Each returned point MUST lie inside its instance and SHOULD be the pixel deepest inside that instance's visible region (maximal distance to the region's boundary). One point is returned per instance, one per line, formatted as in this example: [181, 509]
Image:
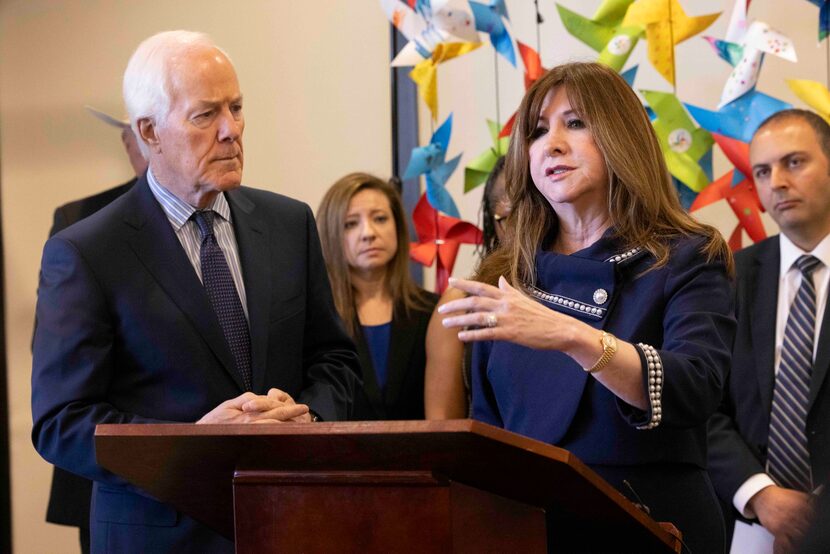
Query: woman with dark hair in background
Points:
[447, 390]
[366, 247]
[603, 323]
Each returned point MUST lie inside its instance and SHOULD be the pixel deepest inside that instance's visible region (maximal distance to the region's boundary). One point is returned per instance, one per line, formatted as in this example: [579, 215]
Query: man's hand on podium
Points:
[275, 407]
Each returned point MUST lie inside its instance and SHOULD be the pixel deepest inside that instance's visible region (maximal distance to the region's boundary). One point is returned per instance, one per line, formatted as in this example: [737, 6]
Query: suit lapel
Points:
[762, 295]
[822, 363]
[156, 245]
[253, 256]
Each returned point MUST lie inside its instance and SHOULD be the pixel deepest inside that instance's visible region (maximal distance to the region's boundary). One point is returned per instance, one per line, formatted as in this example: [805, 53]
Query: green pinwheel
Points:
[477, 171]
[683, 144]
[605, 32]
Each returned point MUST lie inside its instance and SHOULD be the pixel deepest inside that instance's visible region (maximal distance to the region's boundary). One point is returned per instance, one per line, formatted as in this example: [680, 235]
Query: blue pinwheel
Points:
[823, 18]
[740, 118]
[488, 20]
[429, 161]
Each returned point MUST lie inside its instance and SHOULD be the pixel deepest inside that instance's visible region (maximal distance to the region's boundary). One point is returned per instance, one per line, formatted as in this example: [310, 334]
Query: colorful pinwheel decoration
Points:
[437, 32]
[425, 24]
[738, 188]
[477, 171]
[488, 19]
[683, 144]
[729, 48]
[760, 39]
[605, 31]
[739, 118]
[533, 71]
[430, 161]
[439, 237]
[813, 94]
[425, 74]
[744, 49]
[823, 18]
[665, 25]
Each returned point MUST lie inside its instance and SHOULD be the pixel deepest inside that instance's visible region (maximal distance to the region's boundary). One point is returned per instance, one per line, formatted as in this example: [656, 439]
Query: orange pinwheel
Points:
[742, 197]
[533, 70]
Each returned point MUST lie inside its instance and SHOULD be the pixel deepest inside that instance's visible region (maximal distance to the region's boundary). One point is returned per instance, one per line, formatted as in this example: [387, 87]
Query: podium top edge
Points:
[321, 428]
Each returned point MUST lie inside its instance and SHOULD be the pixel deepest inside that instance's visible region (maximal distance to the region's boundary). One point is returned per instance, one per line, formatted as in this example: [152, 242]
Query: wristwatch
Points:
[609, 348]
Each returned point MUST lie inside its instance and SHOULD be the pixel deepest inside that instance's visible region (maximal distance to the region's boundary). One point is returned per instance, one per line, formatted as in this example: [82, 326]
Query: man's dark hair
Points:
[819, 125]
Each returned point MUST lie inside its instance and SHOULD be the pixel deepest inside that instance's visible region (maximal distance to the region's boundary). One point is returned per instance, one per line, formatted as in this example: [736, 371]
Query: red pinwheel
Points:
[742, 197]
[533, 70]
[439, 237]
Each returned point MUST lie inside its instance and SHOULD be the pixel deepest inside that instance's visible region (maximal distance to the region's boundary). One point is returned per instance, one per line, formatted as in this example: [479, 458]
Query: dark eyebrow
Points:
[564, 114]
[785, 158]
[789, 155]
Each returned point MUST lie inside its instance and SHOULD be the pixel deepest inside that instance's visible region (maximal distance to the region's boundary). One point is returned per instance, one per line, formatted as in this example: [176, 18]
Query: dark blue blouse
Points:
[377, 339]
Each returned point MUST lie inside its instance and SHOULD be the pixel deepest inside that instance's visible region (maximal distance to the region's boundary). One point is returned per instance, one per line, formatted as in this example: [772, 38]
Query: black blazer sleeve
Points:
[332, 370]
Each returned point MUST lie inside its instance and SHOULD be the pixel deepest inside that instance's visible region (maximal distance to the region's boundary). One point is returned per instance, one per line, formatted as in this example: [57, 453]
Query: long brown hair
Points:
[643, 204]
[331, 218]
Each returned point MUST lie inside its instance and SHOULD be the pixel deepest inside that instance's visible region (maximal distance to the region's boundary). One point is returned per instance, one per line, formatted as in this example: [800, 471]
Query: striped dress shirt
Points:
[178, 213]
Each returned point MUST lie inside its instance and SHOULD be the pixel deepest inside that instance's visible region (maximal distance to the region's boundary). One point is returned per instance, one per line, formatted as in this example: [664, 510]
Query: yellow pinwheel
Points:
[813, 94]
[425, 73]
[665, 24]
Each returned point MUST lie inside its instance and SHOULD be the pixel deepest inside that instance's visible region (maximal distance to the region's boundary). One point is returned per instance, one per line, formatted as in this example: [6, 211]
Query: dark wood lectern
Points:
[410, 486]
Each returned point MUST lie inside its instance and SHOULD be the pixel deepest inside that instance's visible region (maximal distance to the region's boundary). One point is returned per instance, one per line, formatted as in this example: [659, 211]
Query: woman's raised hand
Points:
[505, 313]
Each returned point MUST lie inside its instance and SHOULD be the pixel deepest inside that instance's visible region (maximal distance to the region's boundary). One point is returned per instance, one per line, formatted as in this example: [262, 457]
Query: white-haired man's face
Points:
[196, 152]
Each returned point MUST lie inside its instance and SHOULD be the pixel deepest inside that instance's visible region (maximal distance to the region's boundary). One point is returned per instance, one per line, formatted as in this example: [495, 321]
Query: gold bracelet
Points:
[609, 348]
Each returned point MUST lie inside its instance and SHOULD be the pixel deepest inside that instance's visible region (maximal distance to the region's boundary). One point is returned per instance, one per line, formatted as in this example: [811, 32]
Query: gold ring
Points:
[492, 320]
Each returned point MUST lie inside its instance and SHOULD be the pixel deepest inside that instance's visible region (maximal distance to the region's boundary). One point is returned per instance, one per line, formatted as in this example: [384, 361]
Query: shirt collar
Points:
[178, 211]
[790, 253]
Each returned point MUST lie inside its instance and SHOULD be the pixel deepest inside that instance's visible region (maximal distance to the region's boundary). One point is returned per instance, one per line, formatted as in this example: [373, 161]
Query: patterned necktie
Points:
[216, 277]
[788, 456]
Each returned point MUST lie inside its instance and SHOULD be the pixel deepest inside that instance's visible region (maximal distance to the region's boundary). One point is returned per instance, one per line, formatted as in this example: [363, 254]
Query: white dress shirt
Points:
[789, 280]
[179, 214]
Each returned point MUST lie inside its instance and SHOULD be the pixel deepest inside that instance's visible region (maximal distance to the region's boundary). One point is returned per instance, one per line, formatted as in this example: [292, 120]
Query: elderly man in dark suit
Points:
[69, 496]
[188, 299]
[769, 445]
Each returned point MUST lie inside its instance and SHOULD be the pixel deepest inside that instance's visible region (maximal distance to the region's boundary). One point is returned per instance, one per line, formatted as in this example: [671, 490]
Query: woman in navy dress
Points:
[603, 324]
[366, 247]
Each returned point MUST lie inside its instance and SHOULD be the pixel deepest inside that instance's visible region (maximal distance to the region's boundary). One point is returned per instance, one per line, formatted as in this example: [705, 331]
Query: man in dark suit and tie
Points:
[769, 445]
[187, 299]
[69, 496]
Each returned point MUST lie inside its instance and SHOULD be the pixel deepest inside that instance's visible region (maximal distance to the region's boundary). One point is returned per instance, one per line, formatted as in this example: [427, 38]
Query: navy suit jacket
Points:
[69, 497]
[738, 430]
[126, 334]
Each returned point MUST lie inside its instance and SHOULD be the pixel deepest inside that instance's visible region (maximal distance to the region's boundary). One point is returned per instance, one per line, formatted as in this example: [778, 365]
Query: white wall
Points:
[316, 87]
[316, 84]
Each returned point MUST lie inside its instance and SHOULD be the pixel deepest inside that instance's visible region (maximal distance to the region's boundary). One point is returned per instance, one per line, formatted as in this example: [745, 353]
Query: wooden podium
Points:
[409, 486]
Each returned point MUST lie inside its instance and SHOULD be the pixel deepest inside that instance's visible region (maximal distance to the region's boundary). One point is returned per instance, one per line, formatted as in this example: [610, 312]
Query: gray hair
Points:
[146, 85]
